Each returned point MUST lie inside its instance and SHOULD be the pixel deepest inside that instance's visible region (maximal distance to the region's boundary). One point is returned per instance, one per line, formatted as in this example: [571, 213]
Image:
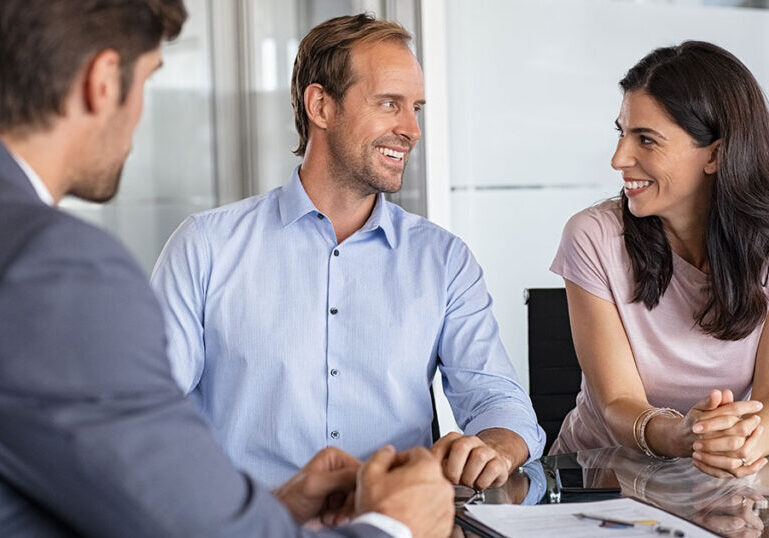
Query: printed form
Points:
[559, 521]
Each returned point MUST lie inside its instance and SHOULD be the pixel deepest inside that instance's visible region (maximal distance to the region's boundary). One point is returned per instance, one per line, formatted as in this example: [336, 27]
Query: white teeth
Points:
[630, 185]
[390, 152]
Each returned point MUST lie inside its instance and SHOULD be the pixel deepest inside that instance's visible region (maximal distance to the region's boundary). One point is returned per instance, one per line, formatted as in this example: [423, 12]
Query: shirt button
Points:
[334, 372]
[333, 311]
[335, 434]
[336, 252]
[320, 216]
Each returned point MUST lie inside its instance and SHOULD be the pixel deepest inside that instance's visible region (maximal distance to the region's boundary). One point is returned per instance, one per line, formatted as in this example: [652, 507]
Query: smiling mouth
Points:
[636, 185]
[391, 153]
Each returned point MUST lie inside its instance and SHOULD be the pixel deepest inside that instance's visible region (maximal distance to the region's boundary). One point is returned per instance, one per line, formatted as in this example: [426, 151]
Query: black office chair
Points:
[554, 372]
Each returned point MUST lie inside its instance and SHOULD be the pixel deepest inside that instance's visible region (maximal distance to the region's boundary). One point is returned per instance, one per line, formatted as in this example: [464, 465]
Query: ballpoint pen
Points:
[654, 526]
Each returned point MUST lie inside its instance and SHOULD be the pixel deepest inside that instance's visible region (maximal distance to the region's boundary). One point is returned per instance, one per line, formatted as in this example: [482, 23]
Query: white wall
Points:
[529, 89]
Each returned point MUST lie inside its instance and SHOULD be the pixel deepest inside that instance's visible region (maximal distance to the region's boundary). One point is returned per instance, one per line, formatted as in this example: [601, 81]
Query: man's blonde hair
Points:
[324, 58]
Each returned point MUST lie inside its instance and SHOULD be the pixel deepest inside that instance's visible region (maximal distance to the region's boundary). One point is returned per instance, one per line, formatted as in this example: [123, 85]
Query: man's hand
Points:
[482, 461]
[408, 487]
[320, 487]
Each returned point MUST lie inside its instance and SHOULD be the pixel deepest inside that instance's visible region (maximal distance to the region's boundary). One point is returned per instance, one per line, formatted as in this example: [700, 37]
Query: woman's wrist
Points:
[668, 435]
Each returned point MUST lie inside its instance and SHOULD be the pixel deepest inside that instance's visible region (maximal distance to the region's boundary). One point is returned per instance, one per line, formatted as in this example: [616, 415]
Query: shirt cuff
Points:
[384, 523]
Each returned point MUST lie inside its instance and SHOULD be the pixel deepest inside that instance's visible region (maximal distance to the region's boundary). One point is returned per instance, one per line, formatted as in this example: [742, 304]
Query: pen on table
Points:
[618, 523]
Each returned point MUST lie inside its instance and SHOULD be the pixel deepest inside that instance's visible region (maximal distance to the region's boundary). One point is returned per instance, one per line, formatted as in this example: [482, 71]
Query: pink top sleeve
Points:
[582, 253]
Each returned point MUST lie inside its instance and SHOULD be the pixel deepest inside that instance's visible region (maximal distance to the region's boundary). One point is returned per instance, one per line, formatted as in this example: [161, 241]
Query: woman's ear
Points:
[711, 167]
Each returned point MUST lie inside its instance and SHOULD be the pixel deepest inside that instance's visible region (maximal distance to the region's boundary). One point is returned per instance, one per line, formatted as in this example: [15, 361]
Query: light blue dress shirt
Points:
[291, 342]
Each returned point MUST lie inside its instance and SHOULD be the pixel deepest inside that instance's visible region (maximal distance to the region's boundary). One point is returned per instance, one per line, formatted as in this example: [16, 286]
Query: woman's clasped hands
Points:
[726, 435]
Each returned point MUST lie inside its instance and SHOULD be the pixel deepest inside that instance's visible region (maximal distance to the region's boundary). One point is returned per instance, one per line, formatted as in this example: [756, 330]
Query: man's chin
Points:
[100, 190]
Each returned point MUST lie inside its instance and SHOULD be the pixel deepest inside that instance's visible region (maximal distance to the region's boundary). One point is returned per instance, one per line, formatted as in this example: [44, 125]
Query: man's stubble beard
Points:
[99, 184]
[356, 170]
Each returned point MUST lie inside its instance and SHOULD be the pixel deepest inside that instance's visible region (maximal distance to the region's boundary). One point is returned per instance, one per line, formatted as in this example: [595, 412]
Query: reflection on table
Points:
[736, 508]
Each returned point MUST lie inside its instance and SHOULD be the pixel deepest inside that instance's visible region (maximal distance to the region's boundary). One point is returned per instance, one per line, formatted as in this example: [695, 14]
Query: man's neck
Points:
[41, 152]
[347, 208]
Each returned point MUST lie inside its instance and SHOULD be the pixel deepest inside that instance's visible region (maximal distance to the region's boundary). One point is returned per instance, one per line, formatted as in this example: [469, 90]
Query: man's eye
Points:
[388, 104]
[645, 140]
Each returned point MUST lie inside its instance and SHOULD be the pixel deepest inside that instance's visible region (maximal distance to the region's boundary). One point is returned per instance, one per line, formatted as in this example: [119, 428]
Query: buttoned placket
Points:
[334, 320]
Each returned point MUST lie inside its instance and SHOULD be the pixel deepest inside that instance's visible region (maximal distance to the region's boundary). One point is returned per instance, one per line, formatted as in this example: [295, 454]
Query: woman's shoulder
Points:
[599, 222]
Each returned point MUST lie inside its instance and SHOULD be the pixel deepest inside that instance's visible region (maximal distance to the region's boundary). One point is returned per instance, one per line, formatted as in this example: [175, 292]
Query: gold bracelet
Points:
[642, 442]
[635, 426]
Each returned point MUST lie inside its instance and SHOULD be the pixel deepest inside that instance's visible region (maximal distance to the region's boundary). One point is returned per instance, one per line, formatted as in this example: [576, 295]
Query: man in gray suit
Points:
[95, 437]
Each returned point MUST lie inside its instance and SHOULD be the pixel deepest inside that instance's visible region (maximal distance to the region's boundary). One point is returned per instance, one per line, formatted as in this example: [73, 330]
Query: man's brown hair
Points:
[44, 43]
[324, 58]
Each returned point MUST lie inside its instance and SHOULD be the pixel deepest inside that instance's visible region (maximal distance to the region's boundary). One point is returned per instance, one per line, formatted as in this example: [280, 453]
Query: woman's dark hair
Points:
[711, 95]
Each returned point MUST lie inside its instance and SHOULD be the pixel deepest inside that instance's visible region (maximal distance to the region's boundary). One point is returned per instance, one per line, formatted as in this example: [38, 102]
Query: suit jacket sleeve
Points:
[93, 427]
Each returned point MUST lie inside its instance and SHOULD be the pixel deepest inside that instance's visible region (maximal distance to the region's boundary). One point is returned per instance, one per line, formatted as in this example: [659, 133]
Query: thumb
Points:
[378, 464]
[338, 480]
[710, 402]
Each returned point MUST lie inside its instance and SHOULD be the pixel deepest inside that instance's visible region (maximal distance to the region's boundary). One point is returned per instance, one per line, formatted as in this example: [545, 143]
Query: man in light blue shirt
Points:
[317, 314]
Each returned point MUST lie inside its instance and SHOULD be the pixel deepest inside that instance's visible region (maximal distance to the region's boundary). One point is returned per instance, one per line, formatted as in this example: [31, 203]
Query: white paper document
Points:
[558, 520]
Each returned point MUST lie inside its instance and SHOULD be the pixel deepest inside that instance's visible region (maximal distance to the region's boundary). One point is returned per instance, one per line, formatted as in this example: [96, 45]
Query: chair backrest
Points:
[554, 372]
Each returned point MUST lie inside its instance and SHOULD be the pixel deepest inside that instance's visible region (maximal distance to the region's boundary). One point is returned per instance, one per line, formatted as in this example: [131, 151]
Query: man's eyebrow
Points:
[641, 130]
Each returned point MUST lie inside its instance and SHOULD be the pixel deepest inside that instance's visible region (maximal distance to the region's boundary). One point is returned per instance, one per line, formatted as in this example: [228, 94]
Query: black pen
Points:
[620, 524]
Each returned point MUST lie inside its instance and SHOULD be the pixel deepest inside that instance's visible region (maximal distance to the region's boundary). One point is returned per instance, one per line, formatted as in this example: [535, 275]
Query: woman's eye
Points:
[645, 140]
[619, 132]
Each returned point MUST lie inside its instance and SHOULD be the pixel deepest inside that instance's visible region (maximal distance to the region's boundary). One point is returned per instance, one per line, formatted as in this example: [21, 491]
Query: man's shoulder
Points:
[417, 227]
[234, 213]
[38, 234]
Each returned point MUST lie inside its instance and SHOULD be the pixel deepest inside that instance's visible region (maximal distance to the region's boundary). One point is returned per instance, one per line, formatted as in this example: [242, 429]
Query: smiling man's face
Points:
[375, 126]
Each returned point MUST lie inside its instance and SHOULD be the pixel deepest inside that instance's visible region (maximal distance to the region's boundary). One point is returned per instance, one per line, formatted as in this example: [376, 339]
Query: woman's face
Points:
[664, 172]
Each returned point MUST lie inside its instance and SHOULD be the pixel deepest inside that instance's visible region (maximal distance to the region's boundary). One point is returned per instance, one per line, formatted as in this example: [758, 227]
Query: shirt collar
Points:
[293, 200]
[294, 204]
[42, 191]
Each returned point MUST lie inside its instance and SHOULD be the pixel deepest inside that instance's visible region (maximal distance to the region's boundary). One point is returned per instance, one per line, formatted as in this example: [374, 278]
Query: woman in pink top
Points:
[667, 285]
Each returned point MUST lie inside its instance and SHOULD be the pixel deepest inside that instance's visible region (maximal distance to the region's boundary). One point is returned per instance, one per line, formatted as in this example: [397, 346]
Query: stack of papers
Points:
[558, 520]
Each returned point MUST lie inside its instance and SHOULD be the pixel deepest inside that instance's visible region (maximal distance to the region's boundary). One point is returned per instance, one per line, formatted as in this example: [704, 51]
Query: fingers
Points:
[712, 471]
[747, 407]
[744, 449]
[473, 463]
[750, 451]
[442, 446]
[725, 466]
[417, 462]
[743, 428]
[457, 458]
[331, 458]
[494, 475]
[710, 402]
[378, 464]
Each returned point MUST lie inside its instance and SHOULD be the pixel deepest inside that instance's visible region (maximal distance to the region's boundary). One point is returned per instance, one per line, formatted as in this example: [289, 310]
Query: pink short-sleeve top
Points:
[678, 363]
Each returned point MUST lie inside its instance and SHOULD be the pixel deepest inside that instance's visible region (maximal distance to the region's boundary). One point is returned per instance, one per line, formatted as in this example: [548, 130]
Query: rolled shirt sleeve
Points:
[479, 379]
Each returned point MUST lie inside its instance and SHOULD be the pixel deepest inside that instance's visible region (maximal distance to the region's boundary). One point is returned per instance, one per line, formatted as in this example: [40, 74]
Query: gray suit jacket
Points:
[96, 439]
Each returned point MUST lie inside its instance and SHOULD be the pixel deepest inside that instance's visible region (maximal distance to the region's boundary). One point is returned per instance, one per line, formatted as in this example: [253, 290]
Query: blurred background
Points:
[518, 129]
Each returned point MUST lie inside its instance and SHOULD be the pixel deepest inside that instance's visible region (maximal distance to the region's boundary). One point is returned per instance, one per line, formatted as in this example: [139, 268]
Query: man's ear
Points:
[319, 105]
[711, 167]
[102, 82]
